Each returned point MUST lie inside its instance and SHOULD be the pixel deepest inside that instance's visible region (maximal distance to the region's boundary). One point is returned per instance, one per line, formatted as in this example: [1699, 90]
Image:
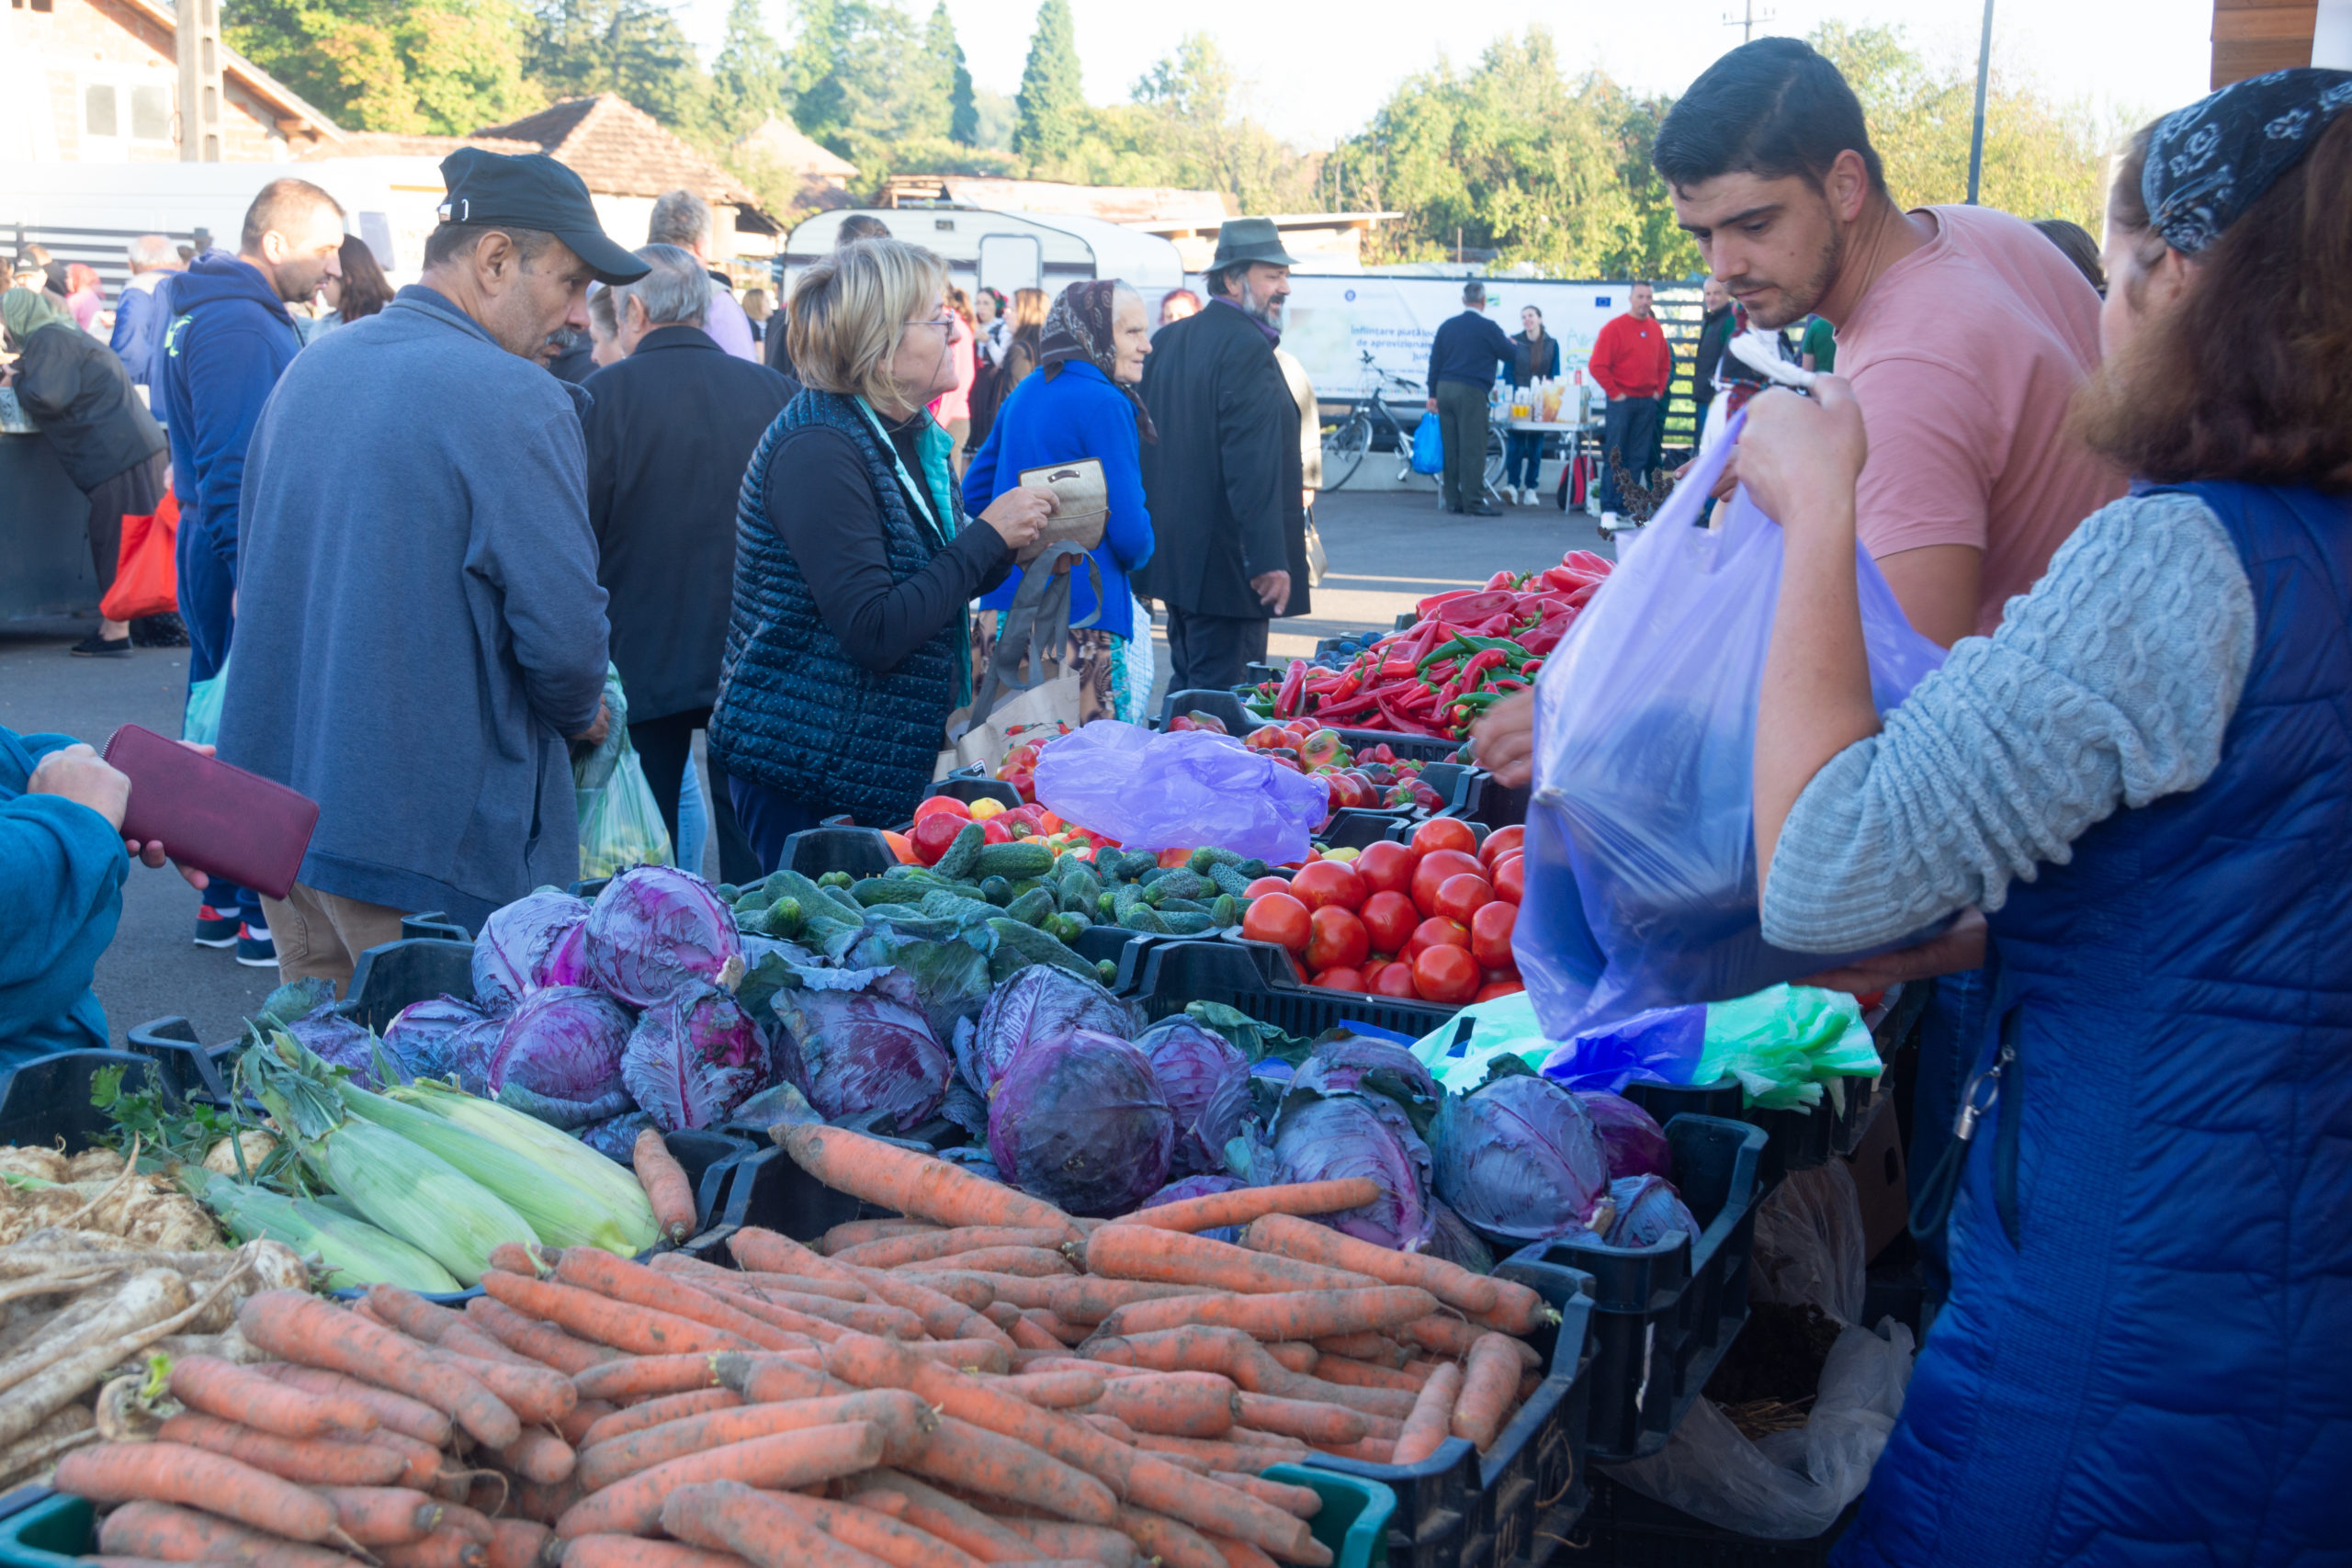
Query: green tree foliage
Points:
[748, 81]
[1183, 127]
[409, 67]
[963, 113]
[634, 48]
[1051, 95]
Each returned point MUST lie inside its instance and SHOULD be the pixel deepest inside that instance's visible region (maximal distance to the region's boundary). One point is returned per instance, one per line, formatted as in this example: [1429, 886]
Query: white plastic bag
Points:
[1810, 1247]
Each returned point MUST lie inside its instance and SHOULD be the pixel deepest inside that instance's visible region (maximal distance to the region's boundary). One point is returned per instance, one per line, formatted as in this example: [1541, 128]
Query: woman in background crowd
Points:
[953, 408]
[1177, 304]
[84, 295]
[359, 293]
[1028, 322]
[755, 310]
[1538, 360]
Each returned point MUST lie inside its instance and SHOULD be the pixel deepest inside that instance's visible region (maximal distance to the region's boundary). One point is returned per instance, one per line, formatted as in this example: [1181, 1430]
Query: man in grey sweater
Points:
[421, 628]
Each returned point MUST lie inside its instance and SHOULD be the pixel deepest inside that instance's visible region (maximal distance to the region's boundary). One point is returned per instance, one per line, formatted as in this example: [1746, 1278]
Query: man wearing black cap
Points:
[1224, 482]
[421, 626]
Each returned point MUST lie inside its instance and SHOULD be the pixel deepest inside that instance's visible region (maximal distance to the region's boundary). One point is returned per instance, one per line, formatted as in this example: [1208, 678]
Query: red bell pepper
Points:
[1294, 684]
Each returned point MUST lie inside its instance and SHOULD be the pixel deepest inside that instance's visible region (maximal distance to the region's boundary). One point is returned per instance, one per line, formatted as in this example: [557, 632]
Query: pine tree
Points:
[963, 114]
[748, 77]
[1050, 92]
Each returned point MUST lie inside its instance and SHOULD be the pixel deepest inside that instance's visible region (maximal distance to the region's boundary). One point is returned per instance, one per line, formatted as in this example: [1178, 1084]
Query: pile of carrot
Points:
[984, 1381]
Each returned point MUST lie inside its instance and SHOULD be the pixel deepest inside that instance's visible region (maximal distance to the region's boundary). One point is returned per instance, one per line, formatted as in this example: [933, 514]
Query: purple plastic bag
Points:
[1662, 1046]
[1641, 862]
[1186, 790]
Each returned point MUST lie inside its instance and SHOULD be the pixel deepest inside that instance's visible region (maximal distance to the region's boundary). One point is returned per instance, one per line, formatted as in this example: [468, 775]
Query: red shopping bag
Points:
[146, 582]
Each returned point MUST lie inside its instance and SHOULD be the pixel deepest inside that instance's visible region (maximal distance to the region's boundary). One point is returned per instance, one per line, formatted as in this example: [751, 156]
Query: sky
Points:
[1313, 81]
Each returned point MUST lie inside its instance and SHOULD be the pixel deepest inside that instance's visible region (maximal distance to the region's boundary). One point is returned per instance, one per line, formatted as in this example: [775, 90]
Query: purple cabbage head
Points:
[530, 944]
[656, 928]
[562, 1042]
[1357, 1064]
[1206, 1081]
[424, 1032]
[865, 1057]
[616, 1136]
[693, 1058]
[1199, 1187]
[1648, 1211]
[1328, 1138]
[1079, 1122]
[1520, 1158]
[339, 1042]
[1452, 1241]
[1039, 1005]
[471, 1050]
[1634, 1140]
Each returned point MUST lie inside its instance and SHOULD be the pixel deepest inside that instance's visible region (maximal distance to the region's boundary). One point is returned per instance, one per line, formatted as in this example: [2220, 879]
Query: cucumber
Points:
[751, 903]
[1227, 880]
[1180, 883]
[781, 919]
[835, 879]
[1184, 924]
[1251, 870]
[1209, 856]
[941, 905]
[1032, 907]
[1015, 861]
[1075, 903]
[1107, 906]
[962, 854]
[815, 900]
[1106, 971]
[1063, 928]
[1034, 946]
[996, 890]
[883, 890]
[1181, 907]
[727, 891]
[1143, 918]
[1156, 874]
[1126, 900]
[1227, 911]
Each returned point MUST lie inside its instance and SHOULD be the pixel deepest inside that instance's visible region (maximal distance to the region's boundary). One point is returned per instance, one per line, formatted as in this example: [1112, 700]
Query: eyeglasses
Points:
[945, 324]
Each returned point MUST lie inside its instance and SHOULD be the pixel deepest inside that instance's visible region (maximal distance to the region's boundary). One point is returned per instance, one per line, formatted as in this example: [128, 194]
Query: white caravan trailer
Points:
[1006, 251]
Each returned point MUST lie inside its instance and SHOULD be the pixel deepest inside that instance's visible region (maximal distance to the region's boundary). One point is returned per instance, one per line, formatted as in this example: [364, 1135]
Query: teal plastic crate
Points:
[52, 1531]
[1354, 1520]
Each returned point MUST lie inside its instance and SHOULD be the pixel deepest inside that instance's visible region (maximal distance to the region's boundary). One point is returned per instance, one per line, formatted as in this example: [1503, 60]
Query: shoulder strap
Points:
[1036, 628]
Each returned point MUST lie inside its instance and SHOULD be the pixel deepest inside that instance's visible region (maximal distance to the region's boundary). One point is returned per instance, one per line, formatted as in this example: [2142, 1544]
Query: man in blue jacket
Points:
[143, 306]
[229, 340]
[1466, 354]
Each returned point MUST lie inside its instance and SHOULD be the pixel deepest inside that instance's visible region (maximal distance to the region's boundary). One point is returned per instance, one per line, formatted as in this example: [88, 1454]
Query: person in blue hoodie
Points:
[1083, 404]
[230, 338]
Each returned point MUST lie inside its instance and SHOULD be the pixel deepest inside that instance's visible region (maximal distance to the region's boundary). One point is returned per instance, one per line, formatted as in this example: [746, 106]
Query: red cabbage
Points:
[655, 929]
[340, 1042]
[865, 1057]
[1520, 1158]
[1327, 1138]
[1038, 1005]
[1452, 1241]
[471, 1050]
[422, 1034]
[1357, 1064]
[1650, 1210]
[693, 1058]
[615, 1138]
[1206, 1082]
[524, 947]
[1079, 1122]
[1631, 1138]
[564, 1041]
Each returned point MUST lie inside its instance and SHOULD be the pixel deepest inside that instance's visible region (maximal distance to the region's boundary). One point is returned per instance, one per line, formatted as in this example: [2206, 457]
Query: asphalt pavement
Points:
[1388, 548]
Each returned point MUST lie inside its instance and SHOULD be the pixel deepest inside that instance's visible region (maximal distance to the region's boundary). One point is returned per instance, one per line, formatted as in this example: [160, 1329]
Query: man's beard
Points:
[1803, 301]
[1267, 310]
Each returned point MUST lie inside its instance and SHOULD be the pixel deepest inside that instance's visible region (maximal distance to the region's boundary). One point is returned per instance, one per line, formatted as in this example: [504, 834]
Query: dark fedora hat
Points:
[1242, 240]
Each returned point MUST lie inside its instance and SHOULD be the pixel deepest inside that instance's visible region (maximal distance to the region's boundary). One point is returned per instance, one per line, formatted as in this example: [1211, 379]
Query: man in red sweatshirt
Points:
[1632, 362]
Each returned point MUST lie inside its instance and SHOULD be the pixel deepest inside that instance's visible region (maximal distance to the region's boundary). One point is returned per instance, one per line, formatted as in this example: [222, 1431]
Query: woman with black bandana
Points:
[1083, 404]
[2140, 778]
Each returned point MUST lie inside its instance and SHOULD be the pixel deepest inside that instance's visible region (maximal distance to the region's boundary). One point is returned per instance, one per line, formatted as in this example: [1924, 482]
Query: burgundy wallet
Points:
[211, 817]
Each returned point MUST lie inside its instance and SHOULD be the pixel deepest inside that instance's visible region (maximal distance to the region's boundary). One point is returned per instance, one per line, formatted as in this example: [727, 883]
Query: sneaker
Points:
[215, 928]
[96, 646]
[254, 948]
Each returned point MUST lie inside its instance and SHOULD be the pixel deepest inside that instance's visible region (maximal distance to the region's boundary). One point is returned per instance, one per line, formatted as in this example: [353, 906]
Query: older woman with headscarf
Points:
[1083, 404]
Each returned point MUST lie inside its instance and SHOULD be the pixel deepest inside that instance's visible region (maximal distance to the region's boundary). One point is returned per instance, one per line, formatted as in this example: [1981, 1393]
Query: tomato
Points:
[1339, 980]
[1266, 736]
[1500, 842]
[1494, 988]
[1390, 920]
[1434, 933]
[933, 833]
[933, 805]
[1396, 980]
[1445, 833]
[1174, 857]
[1510, 877]
[1280, 918]
[1491, 930]
[1336, 939]
[1370, 971]
[1461, 896]
[1386, 867]
[1266, 885]
[1430, 874]
[1328, 882]
[1445, 975]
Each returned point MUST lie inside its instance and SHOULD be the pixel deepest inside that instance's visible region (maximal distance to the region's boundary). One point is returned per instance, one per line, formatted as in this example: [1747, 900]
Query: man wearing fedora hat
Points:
[421, 629]
[1224, 481]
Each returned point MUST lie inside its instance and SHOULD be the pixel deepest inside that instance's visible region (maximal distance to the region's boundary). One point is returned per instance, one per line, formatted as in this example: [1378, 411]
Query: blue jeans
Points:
[1951, 1038]
[694, 822]
[1522, 459]
[766, 817]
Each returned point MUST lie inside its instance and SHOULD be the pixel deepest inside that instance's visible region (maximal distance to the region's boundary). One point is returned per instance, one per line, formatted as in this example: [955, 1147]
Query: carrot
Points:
[617, 1280]
[1242, 1359]
[624, 1325]
[1248, 1203]
[1302, 1501]
[922, 1246]
[866, 1317]
[1004, 1315]
[466, 1521]
[574, 1429]
[1172, 1258]
[1490, 1379]
[857, 1232]
[654, 1411]
[944, 1317]
[174, 1473]
[514, 1257]
[922, 1186]
[1088, 1543]
[646, 1376]
[421, 1461]
[382, 1516]
[1432, 1421]
[977, 1460]
[302, 1328]
[904, 1421]
[1174, 1544]
[312, 1461]
[1316, 1424]
[633, 1506]
[1241, 1450]
[685, 1264]
[1442, 1334]
[936, 1513]
[1058, 1390]
[405, 1312]
[214, 1387]
[635, 1551]
[1091, 1299]
[1179, 1405]
[877, 1534]
[1279, 1315]
[772, 1327]
[1455, 1286]
[537, 1455]
[1111, 1426]
[542, 1342]
[1031, 1335]
[766, 1379]
[1032, 1262]
[981, 1355]
[1518, 1310]
[545, 1505]
[394, 1412]
[518, 1543]
[1240, 1553]
[536, 1393]
[666, 1184]
[974, 1291]
[444, 1548]
[158, 1532]
[1363, 1374]
[1363, 1346]
[729, 1516]
[767, 1252]
[1293, 1354]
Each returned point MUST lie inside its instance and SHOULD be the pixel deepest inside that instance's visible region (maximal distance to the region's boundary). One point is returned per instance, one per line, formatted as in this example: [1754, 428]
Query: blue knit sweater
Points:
[62, 870]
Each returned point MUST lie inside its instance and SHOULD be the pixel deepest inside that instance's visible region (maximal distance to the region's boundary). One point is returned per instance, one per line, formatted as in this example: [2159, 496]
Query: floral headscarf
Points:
[2209, 163]
[1080, 326]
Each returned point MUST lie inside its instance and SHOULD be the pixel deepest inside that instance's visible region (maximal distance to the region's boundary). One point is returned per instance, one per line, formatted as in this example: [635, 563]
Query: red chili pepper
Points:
[1294, 684]
[1399, 668]
[1527, 670]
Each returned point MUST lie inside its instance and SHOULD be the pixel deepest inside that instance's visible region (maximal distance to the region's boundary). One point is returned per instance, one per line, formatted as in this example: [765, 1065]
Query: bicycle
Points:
[1346, 441]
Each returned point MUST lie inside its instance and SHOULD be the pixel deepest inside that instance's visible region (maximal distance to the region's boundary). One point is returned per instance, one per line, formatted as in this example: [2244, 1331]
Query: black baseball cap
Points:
[533, 191]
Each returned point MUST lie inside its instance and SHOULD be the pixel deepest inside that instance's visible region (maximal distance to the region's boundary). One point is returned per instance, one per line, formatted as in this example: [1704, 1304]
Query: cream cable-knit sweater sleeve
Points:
[2110, 684]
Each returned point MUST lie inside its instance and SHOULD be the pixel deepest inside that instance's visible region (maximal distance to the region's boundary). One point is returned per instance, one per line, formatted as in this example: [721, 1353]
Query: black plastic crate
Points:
[47, 1100]
[1515, 1504]
[772, 1193]
[1259, 978]
[1664, 1315]
[1624, 1530]
[860, 851]
[1224, 703]
[1407, 748]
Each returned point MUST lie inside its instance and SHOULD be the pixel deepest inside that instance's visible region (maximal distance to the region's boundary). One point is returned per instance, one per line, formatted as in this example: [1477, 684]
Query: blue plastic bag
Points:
[1641, 862]
[200, 725]
[1184, 790]
[1429, 446]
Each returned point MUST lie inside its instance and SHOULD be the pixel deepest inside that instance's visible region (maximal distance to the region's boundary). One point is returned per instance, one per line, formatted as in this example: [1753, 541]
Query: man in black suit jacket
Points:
[672, 428]
[1224, 481]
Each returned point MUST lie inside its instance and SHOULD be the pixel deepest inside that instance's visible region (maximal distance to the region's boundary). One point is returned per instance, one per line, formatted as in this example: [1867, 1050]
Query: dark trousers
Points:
[1632, 427]
[206, 591]
[134, 492]
[1462, 426]
[1522, 458]
[665, 747]
[768, 817]
[1208, 651]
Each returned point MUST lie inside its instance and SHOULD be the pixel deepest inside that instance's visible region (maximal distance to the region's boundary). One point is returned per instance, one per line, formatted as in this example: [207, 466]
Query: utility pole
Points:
[195, 29]
[1746, 22]
[1977, 136]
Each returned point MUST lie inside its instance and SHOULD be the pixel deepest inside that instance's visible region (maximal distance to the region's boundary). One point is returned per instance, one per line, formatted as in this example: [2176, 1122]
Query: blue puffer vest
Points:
[795, 711]
[2144, 1359]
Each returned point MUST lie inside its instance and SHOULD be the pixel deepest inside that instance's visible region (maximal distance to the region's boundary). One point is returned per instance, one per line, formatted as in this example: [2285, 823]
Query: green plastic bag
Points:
[1785, 1043]
[620, 823]
[201, 724]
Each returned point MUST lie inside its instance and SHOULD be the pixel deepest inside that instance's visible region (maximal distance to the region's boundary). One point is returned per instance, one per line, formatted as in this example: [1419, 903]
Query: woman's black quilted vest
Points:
[795, 711]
